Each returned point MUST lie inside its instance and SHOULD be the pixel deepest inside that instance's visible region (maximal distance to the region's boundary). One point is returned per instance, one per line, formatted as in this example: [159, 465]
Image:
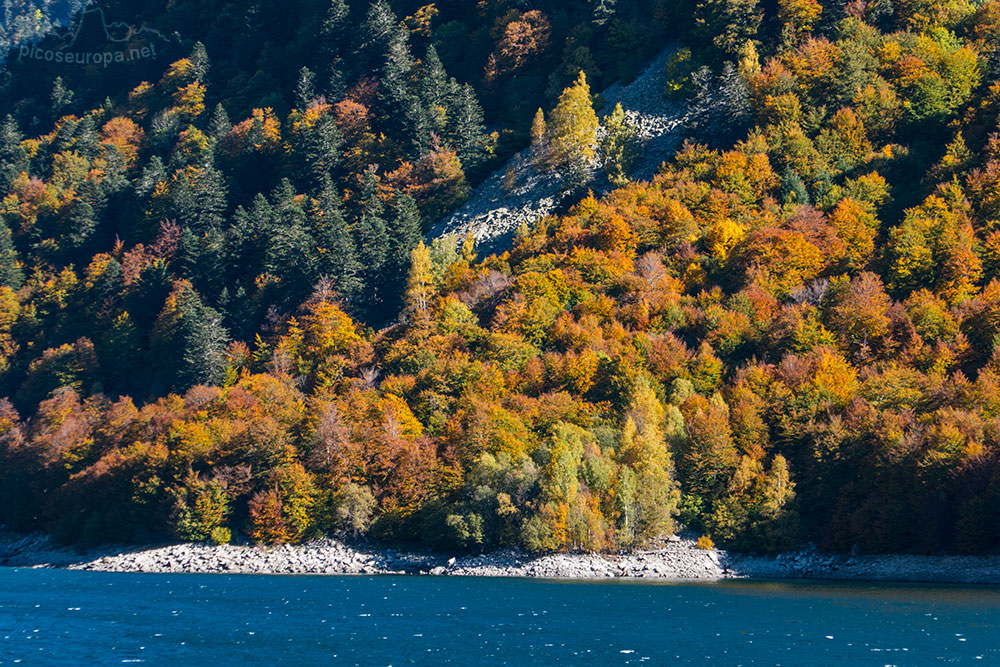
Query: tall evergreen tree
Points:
[305, 88]
[385, 50]
[81, 225]
[61, 98]
[198, 198]
[465, 125]
[200, 63]
[188, 341]
[336, 255]
[11, 274]
[372, 240]
[433, 89]
[333, 32]
[85, 138]
[12, 156]
[249, 236]
[320, 152]
[404, 234]
[290, 251]
[219, 125]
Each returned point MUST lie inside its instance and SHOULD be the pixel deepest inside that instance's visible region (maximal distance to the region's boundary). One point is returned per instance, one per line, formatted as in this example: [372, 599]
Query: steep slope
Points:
[519, 193]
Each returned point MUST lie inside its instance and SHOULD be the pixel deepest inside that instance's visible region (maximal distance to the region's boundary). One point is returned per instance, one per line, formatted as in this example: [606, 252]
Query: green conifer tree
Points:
[11, 273]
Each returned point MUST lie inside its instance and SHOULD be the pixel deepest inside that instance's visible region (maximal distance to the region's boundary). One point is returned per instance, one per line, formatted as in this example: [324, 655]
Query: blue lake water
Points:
[54, 617]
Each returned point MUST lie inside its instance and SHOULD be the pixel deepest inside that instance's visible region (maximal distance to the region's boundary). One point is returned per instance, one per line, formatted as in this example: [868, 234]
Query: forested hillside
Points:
[218, 318]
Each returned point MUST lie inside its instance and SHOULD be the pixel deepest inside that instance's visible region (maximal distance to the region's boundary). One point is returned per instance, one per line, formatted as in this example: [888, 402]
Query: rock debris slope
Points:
[494, 212]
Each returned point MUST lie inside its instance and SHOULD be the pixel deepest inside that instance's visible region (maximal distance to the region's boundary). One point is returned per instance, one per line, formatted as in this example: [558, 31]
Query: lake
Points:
[51, 617]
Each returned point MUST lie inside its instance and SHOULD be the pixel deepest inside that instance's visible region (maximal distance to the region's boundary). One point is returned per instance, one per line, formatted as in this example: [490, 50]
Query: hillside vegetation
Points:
[213, 328]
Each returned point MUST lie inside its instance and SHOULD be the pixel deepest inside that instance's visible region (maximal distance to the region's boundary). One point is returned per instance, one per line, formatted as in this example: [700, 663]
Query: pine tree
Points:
[200, 63]
[573, 130]
[12, 156]
[11, 274]
[465, 125]
[372, 239]
[250, 233]
[336, 255]
[188, 341]
[333, 32]
[404, 234]
[434, 90]
[85, 138]
[305, 88]
[61, 98]
[220, 125]
[290, 251]
[320, 152]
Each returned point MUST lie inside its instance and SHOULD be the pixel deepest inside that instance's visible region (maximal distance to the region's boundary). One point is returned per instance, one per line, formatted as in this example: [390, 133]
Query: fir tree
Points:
[333, 32]
[465, 126]
[336, 255]
[336, 84]
[434, 88]
[305, 88]
[320, 152]
[85, 138]
[385, 50]
[372, 239]
[12, 155]
[11, 274]
[81, 224]
[250, 234]
[188, 341]
[200, 63]
[153, 174]
[603, 10]
[404, 233]
[793, 189]
[290, 254]
[61, 98]
[198, 198]
[220, 125]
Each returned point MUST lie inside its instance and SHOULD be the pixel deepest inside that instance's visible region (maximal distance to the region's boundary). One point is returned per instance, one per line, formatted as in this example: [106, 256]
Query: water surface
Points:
[57, 617]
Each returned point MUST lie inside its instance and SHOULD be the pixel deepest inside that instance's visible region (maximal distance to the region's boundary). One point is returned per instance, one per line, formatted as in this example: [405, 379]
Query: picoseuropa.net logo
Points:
[115, 43]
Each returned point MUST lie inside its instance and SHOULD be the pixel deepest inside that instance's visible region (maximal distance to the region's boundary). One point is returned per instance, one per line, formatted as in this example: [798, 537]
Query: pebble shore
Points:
[676, 559]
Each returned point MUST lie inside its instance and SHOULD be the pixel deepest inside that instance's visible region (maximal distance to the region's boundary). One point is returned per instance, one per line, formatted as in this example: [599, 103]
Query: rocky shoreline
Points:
[676, 559]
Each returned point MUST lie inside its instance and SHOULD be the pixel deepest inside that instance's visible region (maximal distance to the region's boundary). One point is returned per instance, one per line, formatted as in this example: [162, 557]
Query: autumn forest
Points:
[222, 317]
